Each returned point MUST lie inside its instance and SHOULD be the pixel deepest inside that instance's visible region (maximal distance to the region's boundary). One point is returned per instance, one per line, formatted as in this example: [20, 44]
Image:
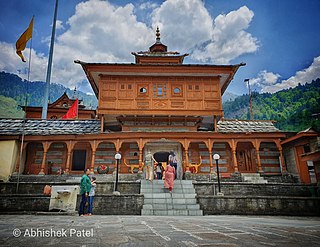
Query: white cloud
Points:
[59, 25]
[99, 31]
[10, 62]
[228, 38]
[264, 79]
[147, 5]
[183, 24]
[268, 82]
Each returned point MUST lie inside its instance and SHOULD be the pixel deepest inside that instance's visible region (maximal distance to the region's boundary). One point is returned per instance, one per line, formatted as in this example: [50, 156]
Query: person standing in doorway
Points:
[85, 187]
[159, 171]
[169, 177]
[148, 164]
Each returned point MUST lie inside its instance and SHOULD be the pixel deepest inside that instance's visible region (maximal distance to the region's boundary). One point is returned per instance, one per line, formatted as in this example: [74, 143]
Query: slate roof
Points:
[244, 126]
[77, 127]
[49, 127]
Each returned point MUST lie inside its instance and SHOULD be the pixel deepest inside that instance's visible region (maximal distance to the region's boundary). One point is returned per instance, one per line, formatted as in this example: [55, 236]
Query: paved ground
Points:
[48, 230]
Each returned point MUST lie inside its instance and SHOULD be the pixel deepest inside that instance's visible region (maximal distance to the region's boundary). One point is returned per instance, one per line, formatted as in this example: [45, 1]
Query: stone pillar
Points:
[46, 146]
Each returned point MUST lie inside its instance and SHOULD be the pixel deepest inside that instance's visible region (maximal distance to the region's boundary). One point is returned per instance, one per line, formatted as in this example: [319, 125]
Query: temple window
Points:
[122, 86]
[143, 90]
[64, 104]
[129, 87]
[177, 90]
[160, 90]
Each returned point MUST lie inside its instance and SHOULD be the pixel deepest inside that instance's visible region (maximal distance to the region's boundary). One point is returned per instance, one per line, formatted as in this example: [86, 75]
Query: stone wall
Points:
[263, 205]
[103, 204]
[117, 205]
[248, 189]
[14, 203]
[37, 187]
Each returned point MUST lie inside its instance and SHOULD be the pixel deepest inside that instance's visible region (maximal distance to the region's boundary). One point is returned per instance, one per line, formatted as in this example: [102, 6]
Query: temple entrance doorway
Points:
[246, 157]
[161, 150]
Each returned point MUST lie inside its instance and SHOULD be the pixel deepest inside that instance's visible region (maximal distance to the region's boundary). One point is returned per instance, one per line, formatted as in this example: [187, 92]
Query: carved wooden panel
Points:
[159, 95]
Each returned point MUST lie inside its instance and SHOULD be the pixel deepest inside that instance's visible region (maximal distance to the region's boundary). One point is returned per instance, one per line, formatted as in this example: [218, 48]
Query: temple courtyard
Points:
[104, 230]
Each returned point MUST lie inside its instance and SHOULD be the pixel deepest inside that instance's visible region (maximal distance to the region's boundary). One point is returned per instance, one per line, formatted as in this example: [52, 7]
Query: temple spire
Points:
[158, 36]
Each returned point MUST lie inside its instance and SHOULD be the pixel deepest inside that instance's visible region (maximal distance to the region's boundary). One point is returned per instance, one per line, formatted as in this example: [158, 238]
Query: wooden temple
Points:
[156, 104]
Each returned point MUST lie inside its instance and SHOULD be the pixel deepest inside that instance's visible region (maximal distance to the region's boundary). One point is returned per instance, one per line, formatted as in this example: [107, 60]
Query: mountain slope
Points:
[14, 87]
[294, 109]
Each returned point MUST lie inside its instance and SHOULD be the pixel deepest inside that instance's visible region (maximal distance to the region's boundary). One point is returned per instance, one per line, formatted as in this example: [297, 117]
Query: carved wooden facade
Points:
[158, 104]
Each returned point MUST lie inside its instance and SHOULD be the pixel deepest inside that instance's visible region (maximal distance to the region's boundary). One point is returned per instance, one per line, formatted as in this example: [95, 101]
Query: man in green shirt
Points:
[85, 187]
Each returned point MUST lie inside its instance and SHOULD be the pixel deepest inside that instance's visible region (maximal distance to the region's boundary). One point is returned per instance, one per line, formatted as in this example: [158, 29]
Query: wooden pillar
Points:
[209, 144]
[102, 123]
[186, 151]
[256, 145]
[282, 163]
[141, 145]
[94, 144]
[215, 123]
[46, 146]
[234, 155]
[70, 146]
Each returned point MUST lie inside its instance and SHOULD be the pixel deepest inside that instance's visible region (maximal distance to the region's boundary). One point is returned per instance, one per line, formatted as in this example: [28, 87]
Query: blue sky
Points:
[278, 40]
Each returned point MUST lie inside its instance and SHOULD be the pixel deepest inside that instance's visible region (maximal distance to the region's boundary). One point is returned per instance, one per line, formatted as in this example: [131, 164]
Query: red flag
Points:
[72, 112]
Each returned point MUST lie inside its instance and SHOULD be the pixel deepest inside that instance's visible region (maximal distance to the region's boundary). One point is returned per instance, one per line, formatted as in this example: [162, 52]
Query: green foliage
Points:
[294, 109]
[14, 87]
[9, 108]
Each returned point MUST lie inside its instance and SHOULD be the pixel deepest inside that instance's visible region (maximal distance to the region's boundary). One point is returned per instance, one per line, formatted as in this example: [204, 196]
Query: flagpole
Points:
[46, 92]
[25, 113]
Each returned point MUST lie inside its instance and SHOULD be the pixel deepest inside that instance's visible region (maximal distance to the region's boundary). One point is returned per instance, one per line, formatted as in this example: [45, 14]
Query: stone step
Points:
[165, 190]
[153, 201]
[169, 195]
[176, 182]
[250, 174]
[168, 206]
[173, 212]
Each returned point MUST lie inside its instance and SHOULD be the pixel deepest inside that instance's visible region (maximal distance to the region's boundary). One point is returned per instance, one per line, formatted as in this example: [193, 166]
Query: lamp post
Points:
[118, 158]
[216, 157]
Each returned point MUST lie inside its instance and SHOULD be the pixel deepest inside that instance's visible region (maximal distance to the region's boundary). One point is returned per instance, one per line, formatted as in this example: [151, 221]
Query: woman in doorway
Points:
[169, 177]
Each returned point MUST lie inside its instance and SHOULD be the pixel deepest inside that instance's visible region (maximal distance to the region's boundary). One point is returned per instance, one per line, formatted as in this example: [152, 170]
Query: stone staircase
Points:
[159, 201]
[254, 178]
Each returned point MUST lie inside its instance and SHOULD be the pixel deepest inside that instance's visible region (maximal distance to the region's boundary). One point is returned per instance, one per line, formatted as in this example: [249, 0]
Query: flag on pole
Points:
[72, 112]
[23, 40]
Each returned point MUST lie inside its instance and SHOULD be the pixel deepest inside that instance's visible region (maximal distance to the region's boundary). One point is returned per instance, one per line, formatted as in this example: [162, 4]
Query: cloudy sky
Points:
[278, 40]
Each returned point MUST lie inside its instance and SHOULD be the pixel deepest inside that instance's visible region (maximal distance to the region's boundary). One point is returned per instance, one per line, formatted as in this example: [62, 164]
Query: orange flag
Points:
[23, 40]
[72, 112]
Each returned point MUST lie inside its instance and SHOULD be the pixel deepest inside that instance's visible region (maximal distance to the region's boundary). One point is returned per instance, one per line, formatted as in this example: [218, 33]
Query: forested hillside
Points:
[14, 87]
[294, 109]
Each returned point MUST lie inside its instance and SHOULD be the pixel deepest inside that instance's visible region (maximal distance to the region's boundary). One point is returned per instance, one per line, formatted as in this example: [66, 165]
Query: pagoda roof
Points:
[40, 127]
[94, 70]
[246, 126]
